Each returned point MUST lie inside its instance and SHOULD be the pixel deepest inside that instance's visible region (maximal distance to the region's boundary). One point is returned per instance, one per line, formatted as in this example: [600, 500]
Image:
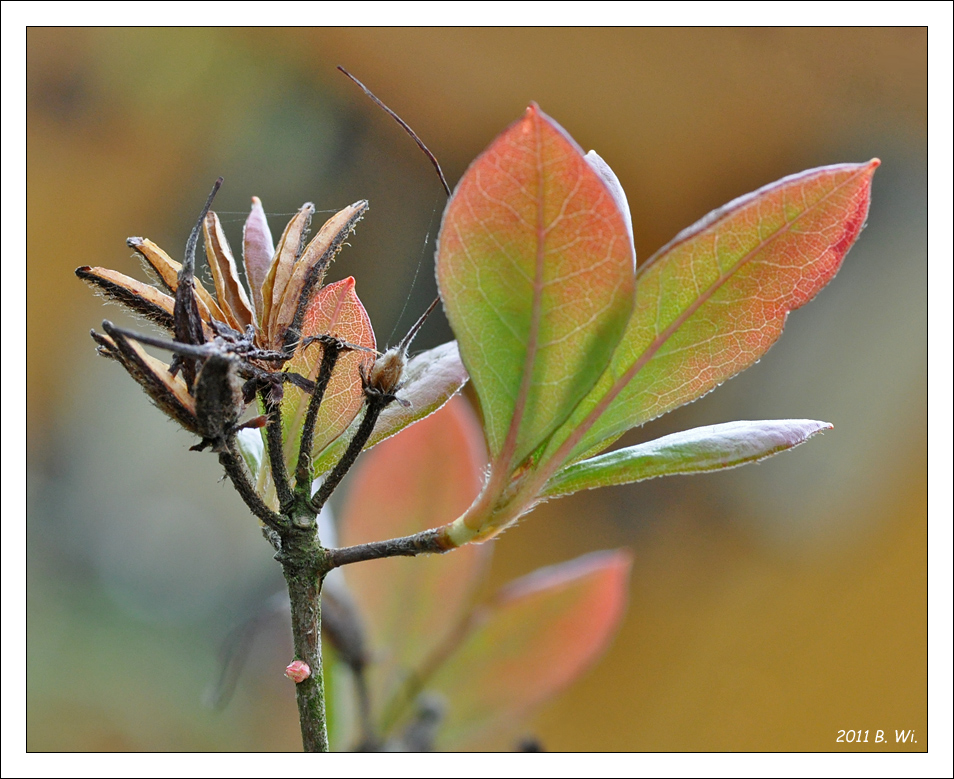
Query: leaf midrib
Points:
[509, 447]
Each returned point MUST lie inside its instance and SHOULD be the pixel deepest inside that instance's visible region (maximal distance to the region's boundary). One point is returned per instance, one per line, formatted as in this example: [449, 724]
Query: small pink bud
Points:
[298, 671]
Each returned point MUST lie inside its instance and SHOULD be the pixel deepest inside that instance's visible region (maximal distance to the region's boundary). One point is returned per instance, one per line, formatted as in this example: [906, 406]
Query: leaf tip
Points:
[811, 428]
[611, 567]
[620, 562]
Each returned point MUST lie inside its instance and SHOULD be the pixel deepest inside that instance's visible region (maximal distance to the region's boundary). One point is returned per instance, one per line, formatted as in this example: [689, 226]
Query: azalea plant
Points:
[568, 344]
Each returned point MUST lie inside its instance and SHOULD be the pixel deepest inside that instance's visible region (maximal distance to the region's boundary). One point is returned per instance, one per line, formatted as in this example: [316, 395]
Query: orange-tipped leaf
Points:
[535, 266]
[711, 302]
[537, 636]
[334, 310]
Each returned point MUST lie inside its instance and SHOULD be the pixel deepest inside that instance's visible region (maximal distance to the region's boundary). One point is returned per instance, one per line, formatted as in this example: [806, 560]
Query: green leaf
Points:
[538, 635]
[535, 266]
[417, 480]
[711, 448]
[431, 378]
[713, 300]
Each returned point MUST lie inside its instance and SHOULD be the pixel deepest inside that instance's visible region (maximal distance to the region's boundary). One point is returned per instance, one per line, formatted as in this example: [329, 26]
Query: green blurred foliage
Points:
[771, 606]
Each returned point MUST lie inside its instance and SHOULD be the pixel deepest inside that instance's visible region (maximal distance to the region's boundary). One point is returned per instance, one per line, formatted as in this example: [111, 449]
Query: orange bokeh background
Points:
[770, 607]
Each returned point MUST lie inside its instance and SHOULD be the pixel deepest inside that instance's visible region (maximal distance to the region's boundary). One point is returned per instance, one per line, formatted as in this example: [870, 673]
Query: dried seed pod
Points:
[385, 375]
[218, 401]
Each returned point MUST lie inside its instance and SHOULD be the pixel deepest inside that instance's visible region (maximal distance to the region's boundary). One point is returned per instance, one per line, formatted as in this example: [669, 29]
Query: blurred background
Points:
[771, 606]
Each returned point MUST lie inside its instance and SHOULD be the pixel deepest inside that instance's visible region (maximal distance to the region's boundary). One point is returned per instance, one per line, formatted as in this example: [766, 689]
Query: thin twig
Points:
[375, 406]
[235, 469]
[431, 541]
[415, 328]
[329, 358]
[185, 314]
[407, 129]
[276, 456]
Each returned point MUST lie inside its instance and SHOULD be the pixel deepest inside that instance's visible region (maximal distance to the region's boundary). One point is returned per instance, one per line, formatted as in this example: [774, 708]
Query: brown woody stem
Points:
[426, 542]
[276, 457]
[376, 404]
[329, 358]
[235, 470]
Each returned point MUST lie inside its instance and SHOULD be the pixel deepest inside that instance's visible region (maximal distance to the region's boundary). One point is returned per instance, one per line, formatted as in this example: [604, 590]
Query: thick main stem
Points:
[301, 559]
[294, 534]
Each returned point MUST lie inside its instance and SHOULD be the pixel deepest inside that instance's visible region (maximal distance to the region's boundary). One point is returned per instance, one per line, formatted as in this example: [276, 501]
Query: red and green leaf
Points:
[535, 266]
[538, 635]
[712, 301]
[334, 310]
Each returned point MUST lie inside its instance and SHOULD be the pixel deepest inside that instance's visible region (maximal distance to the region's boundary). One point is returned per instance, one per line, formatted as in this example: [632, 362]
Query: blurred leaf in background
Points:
[482, 663]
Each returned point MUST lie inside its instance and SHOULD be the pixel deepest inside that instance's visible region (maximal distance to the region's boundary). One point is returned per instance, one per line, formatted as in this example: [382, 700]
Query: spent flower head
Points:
[268, 342]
